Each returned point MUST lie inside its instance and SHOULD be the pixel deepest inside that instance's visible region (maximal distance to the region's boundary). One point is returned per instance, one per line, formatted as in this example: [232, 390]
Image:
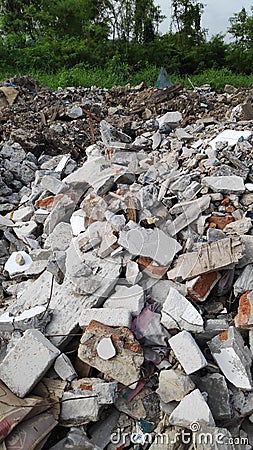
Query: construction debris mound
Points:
[126, 258]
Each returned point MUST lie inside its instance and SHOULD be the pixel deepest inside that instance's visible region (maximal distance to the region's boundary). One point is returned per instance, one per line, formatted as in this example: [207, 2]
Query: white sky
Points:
[216, 13]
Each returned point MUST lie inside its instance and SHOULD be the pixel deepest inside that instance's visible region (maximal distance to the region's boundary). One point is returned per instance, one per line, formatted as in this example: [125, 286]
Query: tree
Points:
[242, 29]
[186, 18]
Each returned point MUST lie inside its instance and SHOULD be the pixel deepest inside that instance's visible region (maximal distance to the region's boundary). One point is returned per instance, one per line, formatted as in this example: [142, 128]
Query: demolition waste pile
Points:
[126, 255]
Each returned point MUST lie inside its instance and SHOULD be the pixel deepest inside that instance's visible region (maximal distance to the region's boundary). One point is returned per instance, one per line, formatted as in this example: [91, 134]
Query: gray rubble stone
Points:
[174, 385]
[27, 362]
[225, 184]
[131, 298]
[154, 244]
[114, 317]
[64, 368]
[216, 387]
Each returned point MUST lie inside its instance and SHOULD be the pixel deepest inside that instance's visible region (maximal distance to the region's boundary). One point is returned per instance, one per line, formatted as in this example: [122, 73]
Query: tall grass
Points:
[121, 75]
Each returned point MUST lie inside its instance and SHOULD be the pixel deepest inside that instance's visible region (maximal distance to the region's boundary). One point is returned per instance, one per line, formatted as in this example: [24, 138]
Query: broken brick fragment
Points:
[199, 288]
[220, 221]
[244, 317]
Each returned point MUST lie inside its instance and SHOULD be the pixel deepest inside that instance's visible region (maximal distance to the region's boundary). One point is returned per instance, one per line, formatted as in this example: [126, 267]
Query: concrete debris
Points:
[187, 352]
[192, 409]
[174, 385]
[113, 317]
[126, 257]
[233, 357]
[178, 312]
[27, 362]
[124, 365]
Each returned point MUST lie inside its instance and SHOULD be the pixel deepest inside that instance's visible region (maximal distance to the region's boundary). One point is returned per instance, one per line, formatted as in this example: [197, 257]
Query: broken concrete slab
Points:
[178, 312]
[131, 298]
[225, 184]
[154, 244]
[174, 385]
[191, 211]
[187, 352]
[37, 317]
[125, 366]
[113, 317]
[191, 410]
[231, 137]
[215, 386]
[233, 357]
[27, 362]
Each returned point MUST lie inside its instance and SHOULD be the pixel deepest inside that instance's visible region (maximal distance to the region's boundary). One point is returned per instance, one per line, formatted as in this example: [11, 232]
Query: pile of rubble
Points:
[127, 268]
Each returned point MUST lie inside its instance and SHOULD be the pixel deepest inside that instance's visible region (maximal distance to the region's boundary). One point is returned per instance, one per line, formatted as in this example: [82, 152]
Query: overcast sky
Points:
[216, 13]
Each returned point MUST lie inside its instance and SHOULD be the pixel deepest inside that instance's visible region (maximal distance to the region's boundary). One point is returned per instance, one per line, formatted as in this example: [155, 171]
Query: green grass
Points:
[113, 75]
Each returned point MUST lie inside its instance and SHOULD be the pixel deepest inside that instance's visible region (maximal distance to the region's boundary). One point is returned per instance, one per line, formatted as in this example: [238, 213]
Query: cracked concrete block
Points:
[192, 409]
[36, 317]
[79, 408]
[105, 391]
[125, 365]
[233, 357]
[225, 184]
[154, 244]
[239, 227]
[178, 312]
[133, 275]
[174, 385]
[113, 317]
[64, 368]
[131, 298]
[27, 362]
[190, 212]
[187, 352]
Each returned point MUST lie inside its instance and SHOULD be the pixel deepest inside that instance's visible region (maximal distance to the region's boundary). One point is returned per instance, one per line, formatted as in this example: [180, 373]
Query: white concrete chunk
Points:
[114, 317]
[133, 274]
[193, 409]
[229, 136]
[233, 357]
[178, 312]
[187, 352]
[27, 362]
[174, 385]
[131, 298]
[17, 263]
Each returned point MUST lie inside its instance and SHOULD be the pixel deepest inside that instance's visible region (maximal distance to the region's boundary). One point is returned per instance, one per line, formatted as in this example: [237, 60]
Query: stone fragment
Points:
[64, 368]
[23, 214]
[216, 387]
[131, 298]
[245, 281]
[200, 287]
[27, 362]
[133, 275]
[244, 317]
[79, 408]
[125, 366]
[154, 244]
[193, 409]
[233, 357]
[105, 349]
[231, 137]
[187, 352]
[75, 112]
[174, 385]
[18, 263]
[172, 119]
[178, 312]
[113, 317]
[239, 227]
[60, 238]
[191, 211]
[225, 184]
[209, 257]
[36, 317]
